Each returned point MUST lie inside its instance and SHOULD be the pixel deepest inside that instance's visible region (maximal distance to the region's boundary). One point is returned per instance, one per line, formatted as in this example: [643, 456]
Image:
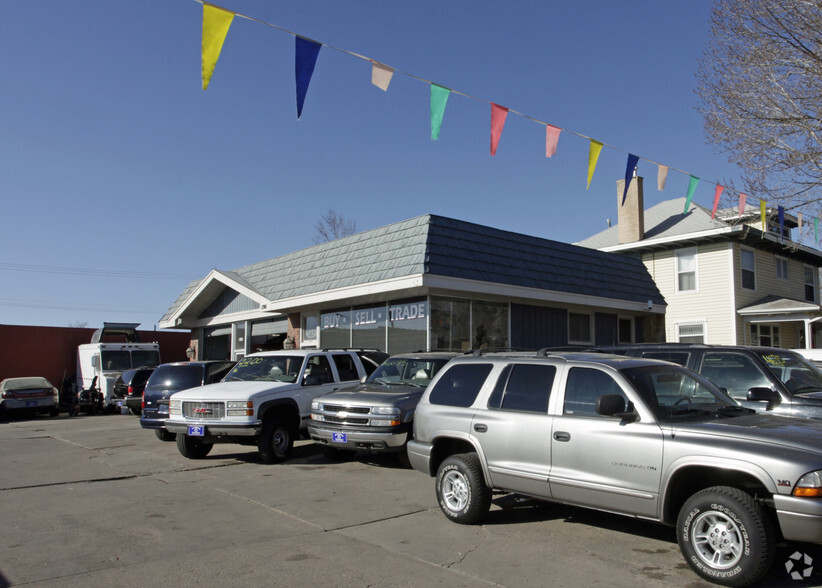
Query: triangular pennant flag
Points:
[593, 155]
[691, 189]
[629, 174]
[742, 199]
[551, 140]
[661, 177]
[780, 211]
[763, 215]
[215, 28]
[717, 194]
[439, 97]
[381, 75]
[498, 116]
[799, 223]
[305, 58]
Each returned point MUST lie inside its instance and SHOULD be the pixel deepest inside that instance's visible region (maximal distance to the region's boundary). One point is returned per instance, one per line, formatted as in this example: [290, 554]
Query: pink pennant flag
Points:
[661, 177]
[381, 75]
[717, 194]
[498, 116]
[551, 140]
[799, 222]
[742, 199]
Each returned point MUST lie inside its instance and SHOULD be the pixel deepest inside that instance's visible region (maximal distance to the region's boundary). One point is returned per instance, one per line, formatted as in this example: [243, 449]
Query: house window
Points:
[748, 269]
[690, 332]
[781, 268]
[686, 270]
[625, 330]
[765, 335]
[579, 328]
[810, 284]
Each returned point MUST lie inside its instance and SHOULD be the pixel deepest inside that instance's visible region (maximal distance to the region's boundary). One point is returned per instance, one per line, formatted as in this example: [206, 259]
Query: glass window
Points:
[335, 329]
[269, 368]
[239, 340]
[735, 372]
[626, 330]
[145, 357]
[317, 371]
[489, 324]
[680, 357]
[583, 388]
[810, 284]
[524, 387]
[268, 335]
[579, 327]
[346, 368]
[450, 324]
[765, 335]
[407, 326]
[686, 270]
[460, 385]
[690, 333]
[368, 327]
[781, 268]
[115, 360]
[748, 269]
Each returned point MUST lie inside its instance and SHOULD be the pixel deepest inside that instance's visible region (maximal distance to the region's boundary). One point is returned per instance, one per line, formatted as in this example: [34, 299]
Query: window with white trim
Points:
[690, 332]
[781, 268]
[766, 335]
[810, 284]
[686, 269]
[748, 267]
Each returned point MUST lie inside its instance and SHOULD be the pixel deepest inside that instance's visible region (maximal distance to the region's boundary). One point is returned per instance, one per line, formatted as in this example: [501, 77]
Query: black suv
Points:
[169, 378]
[129, 386]
[763, 378]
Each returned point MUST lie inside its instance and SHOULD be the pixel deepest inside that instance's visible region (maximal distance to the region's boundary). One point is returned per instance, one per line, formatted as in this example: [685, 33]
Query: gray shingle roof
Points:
[436, 245]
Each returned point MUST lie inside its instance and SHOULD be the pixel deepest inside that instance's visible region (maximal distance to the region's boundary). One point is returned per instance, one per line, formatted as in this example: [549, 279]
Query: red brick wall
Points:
[51, 352]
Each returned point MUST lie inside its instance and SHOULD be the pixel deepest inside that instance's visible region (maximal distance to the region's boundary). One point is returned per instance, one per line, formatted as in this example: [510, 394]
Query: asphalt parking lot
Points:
[98, 501]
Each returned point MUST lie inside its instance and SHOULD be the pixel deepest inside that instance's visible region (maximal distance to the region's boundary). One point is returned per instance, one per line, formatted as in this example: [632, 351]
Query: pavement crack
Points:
[52, 484]
[371, 522]
[468, 551]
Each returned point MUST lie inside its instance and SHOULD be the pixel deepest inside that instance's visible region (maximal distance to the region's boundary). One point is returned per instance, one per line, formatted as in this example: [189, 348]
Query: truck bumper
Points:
[358, 440]
[419, 454]
[212, 429]
[800, 519]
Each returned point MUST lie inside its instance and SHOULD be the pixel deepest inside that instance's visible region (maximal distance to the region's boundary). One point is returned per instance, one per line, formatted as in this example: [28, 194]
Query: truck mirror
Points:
[763, 394]
[95, 361]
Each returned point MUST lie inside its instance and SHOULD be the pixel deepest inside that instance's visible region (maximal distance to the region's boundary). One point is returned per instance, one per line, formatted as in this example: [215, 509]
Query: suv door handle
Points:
[480, 428]
[562, 436]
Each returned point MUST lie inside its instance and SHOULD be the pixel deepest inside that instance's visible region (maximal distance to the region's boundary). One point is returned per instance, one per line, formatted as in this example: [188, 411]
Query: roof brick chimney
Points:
[631, 215]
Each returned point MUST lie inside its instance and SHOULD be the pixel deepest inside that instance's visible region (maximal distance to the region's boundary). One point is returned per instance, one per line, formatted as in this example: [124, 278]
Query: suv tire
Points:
[461, 490]
[165, 435]
[725, 536]
[276, 441]
[192, 447]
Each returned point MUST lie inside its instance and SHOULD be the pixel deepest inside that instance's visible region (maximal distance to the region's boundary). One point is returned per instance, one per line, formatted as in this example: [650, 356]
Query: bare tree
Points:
[760, 87]
[332, 226]
[78, 324]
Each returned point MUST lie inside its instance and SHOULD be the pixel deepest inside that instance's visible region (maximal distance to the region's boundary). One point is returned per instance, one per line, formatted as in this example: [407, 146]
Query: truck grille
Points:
[203, 410]
[348, 420]
[350, 409]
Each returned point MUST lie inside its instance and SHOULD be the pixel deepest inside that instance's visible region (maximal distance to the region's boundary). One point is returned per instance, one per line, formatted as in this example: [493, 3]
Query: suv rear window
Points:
[460, 384]
[680, 357]
[176, 377]
[524, 387]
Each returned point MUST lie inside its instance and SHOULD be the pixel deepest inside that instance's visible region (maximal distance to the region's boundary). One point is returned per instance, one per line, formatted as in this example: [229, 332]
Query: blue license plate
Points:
[339, 437]
[196, 430]
[31, 403]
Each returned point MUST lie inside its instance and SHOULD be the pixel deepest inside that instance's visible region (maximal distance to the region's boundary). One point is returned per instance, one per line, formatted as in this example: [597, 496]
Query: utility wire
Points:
[106, 273]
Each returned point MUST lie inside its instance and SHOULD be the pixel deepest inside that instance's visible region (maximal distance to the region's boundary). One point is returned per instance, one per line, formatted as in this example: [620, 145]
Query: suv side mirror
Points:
[772, 397]
[613, 405]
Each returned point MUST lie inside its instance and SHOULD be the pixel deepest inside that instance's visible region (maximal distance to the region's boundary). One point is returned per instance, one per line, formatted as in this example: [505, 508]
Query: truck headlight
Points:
[386, 410]
[316, 405]
[809, 485]
[175, 408]
[240, 408]
[385, 422]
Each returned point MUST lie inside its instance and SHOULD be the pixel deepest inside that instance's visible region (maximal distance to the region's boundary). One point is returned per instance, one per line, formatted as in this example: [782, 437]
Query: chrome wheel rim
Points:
[717, 540]
[455, 491]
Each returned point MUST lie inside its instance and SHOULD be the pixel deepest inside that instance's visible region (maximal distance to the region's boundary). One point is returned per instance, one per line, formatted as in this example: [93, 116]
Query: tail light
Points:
[143, 401]
[55, 392]
[130, 391]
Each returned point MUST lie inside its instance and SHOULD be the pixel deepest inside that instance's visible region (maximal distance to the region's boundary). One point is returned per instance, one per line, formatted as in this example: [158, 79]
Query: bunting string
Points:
[216, 23]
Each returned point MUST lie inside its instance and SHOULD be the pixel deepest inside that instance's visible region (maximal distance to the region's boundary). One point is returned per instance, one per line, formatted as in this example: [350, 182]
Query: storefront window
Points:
[335, 328]
[407, 324]
[368, 327]
[450, 324]
[217, 343]
[489, 321]
[268, 335]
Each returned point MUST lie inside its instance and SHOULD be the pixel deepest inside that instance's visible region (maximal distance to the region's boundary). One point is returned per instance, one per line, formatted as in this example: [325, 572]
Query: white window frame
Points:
[814, 272]
[678, 327]
[756, 337]
[781, 268]
[677, 255]
[590, 316]
[742, 268]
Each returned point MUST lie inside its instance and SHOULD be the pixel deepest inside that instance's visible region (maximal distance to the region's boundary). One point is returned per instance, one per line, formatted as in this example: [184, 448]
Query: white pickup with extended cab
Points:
[265, 400]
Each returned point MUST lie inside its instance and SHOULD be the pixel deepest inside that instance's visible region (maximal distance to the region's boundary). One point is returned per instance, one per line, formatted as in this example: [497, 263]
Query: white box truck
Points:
[99, 364]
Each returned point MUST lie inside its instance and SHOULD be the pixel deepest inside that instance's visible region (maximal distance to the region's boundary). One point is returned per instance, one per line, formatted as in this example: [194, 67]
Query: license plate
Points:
[339, 437]
[196, 430]
[31, 403]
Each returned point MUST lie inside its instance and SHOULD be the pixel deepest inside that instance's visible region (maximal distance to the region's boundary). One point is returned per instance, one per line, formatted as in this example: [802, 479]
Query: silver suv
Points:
[640, 437]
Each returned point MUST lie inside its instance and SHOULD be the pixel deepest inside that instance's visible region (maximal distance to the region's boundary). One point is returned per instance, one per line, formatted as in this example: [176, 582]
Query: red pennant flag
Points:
[717, 194]
[551, 140]
[498, 116]
[742, 199]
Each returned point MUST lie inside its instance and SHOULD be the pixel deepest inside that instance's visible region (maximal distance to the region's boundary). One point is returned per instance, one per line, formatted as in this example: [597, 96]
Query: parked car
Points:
[129, 386]
[639, 437]
[375, 415]
[33, 394]
[169, 378]
[265, 400]
[764, 378]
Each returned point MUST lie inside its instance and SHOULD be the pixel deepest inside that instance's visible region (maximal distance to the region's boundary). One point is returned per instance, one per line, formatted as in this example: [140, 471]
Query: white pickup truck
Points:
[265, 400]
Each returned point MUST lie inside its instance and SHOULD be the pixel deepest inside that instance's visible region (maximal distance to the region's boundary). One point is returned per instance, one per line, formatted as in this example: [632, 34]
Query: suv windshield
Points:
[674, 394]
[798, 374]
[271, 368]
[407, 371]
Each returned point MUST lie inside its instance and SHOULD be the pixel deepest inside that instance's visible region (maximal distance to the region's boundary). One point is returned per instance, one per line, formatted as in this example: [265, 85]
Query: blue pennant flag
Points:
[305, 59]
[629, 174]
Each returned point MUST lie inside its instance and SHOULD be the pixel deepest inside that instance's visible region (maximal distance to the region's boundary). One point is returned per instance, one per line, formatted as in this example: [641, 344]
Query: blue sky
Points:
[122, 180]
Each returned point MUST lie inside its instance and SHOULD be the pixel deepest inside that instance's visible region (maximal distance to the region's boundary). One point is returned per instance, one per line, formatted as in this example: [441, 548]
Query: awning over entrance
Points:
[773, 309]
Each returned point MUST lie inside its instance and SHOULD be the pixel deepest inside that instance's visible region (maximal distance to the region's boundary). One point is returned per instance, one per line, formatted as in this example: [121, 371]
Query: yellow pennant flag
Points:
[763, 215]
[215, 27]
[593, 156]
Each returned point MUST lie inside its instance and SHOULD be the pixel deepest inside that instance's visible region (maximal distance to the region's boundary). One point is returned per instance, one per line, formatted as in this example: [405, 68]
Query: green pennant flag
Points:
[439, 96]
[691, 189]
